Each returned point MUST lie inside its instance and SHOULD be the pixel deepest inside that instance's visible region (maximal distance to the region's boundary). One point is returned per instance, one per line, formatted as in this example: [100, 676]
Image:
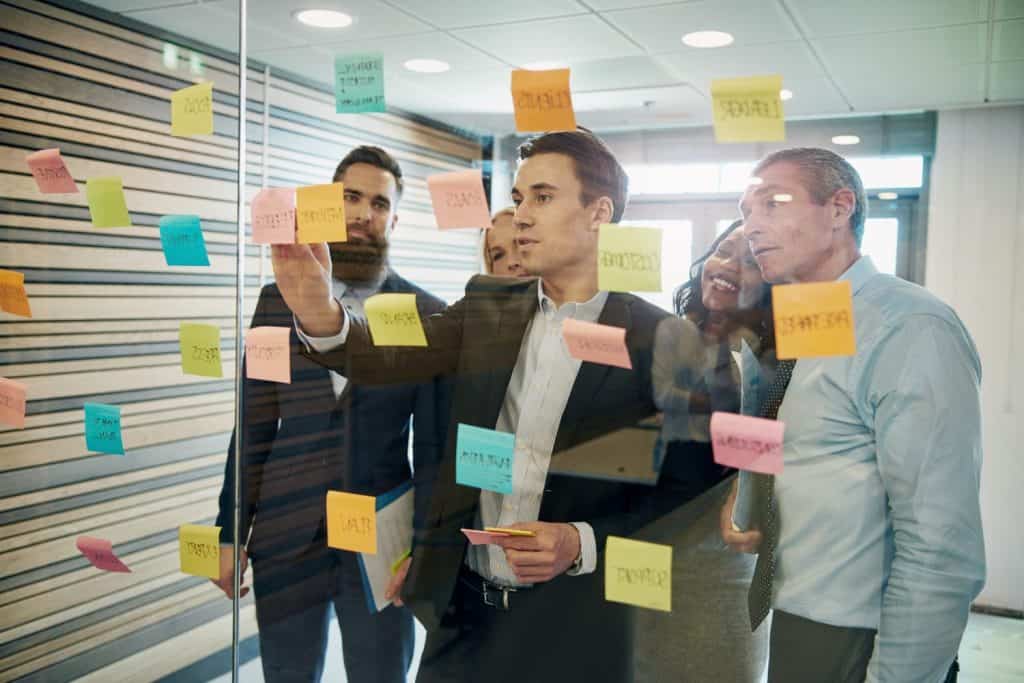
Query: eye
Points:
[380, 206]
[497, 256]
[544, 198]
[517, 200]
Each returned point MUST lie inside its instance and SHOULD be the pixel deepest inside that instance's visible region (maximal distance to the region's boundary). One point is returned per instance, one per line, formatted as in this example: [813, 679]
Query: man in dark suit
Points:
[527, 609]
[320, 432]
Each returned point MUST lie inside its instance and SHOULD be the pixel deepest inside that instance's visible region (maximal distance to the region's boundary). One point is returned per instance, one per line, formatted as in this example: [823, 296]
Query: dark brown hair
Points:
[374, 156]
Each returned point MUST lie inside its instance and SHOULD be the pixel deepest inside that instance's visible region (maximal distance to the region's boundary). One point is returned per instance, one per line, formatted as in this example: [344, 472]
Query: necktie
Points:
[759, 598]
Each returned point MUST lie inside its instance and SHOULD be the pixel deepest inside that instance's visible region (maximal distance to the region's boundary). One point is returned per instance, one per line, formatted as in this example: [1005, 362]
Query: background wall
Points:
[105, 322]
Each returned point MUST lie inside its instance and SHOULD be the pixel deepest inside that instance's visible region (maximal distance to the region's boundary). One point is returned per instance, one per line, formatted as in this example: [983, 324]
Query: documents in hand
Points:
[394, 538]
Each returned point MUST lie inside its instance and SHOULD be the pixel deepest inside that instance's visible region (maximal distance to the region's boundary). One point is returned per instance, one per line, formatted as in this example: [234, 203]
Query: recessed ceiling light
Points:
[544, 66]
[427, 66]
[708, 39]
[785, 94]
[888, 195]
[323, 18]
[845, 139]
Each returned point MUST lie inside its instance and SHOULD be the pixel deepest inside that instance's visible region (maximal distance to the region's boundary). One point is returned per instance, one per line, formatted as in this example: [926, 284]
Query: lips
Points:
[761, 250]
[525, 242]
[723, 284]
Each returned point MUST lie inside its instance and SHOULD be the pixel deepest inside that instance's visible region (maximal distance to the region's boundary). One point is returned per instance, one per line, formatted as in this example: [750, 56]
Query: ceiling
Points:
[629, 66]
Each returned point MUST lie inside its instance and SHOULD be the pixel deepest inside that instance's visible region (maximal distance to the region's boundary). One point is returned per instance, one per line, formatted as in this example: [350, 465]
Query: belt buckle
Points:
[503, 605]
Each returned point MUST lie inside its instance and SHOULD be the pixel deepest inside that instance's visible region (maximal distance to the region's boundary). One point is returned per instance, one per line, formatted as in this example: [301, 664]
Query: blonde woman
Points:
[501, 255]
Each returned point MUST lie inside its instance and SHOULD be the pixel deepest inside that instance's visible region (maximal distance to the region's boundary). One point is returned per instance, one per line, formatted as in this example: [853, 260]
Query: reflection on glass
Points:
[881, 237]
[677, 242]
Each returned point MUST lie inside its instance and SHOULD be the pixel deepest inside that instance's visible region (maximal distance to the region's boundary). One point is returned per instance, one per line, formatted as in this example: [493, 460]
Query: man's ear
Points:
[394, 224]
[844, 203]
[604, 209]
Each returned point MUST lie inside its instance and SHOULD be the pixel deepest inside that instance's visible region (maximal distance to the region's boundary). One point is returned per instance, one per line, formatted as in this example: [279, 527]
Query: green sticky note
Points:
[484, 458]
[200, 349]
[182, 239]
[359, 83]
[629, 259]
[103, 428]
[107, 206]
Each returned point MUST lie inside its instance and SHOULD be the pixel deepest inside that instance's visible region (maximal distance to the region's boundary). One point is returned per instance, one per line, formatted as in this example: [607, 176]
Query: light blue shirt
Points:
[879, 520]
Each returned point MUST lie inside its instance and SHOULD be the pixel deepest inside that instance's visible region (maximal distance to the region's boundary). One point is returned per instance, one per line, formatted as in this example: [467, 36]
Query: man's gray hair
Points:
[825, 173]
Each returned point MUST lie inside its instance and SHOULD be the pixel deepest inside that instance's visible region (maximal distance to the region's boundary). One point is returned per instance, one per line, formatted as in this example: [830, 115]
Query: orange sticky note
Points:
[458, 199]
[596, 343]
[273, 216]
[320, 213]
[748, 109]
[267, 354]
[192, 110]
[12, 403]
[352, 522]
[542, 101]
[814, 319]
[50, 171]
[13, 297]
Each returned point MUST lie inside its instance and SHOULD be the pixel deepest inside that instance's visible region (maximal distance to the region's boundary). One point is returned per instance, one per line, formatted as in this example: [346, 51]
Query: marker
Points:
[511, 532]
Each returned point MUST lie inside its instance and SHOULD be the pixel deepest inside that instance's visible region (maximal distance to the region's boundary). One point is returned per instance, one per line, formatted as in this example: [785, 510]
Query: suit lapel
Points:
[514, 316]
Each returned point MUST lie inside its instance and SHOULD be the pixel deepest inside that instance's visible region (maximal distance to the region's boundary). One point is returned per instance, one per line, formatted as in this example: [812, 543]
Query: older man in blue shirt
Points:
[873, 550]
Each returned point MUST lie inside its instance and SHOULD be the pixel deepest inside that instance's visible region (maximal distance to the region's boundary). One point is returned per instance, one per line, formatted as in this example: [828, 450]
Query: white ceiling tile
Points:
[1007, 81]
[604, 5]
[1009, 9]
[371, 19]
[458, 13]
[433, 45]
[1008, 41]
[660, 29]
[793, 59]
[620, 72]
[906, 87]
[130, 5]
[213, 23]
[921, 54]
[830, 18]
[570, 39]
[314, 63]
[813, 97]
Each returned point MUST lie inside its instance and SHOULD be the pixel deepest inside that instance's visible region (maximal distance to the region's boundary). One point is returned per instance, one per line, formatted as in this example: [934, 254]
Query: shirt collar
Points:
[586, 310]
[361, 291]
[862, 270]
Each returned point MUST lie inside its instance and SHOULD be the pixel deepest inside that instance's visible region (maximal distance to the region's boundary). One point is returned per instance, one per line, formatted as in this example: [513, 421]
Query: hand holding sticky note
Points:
[484, 458]
[394, 320]
[638, 573]
[359, 84]
[182, 240]
[200, 349]
[199, 550]
[747, 443]
[100, 553]
[273, 216]
[629, 259]
[542, 101]
[320, 213]
[352, 522]
[814, 319]
[458, 199]
[748, 109]
[50, 171]
[192, 110]
[103, 428]
[268, 354]
[12, 403]
[13, 297]
[107, 205]
[596, 343]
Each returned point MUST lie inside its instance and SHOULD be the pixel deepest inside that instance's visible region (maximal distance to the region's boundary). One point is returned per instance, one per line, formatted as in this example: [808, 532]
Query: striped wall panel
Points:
[105, 323]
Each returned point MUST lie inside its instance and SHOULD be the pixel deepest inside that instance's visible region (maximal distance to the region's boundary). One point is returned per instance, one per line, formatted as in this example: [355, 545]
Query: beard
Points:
[359, 261]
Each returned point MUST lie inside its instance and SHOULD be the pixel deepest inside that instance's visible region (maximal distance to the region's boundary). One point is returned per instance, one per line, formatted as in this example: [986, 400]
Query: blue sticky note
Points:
[183, 242]
[484, 458]
[103, 428]
[359, 84]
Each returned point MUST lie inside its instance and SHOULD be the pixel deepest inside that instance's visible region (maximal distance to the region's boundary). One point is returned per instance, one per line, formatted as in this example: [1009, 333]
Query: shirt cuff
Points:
[323, 344]
[588, 550]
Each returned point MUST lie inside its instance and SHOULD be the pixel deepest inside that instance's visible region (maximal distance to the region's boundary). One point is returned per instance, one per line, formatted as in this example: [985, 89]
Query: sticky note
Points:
[747, 443]
[814, 319]
[50, 171]
[192, 110]
[484, 458]
[199, 550]
[268, 354]
[477, 537]
[320, 210]
[200, 349]
[629, 259]
[107, 206]
[596, 343]
[103, 428]
[352, 522]
[13, 297]
[638, 573]
[12, 403]
[394, 320]
[182, 239]
[100, 553]
[542, 101]
[748, 109]
[458, 199]
[359, 83]
[273, 216]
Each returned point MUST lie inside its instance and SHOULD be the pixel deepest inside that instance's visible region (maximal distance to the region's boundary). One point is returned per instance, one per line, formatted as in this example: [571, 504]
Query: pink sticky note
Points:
[12, 403]
[273, 216]
[50, 171]
[596, 343]
[747, 443]
[459, 200]
[101, 554]
[267, 354]
[477, 537]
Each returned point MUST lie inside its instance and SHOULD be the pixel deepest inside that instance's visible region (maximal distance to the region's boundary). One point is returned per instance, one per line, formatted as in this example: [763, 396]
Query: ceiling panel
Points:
[792, 59]
[460, 13]
[813, 97]
[620, 72]
[371, 19]
[314, 63]
[1008, 41]
[215, 23]
[904, 87]
[1009, 9]
[849, 58]
[434, 45]
[822, 18]
[1007, 81]
[129, 5]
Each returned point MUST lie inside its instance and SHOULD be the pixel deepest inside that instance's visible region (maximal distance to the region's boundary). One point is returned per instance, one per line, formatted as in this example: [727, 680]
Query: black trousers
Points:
[805, 651]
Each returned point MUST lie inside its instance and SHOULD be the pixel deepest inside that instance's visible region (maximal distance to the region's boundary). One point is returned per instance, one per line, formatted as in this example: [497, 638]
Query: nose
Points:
[358, 212]
[520, 218]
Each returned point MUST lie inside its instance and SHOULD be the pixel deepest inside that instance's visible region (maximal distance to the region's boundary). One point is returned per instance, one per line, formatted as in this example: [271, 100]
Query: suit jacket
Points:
[299, 441]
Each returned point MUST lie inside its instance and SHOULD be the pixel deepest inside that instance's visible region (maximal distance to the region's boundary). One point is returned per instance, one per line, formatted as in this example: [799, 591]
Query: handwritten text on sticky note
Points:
[748, 109]
[352, 522]
[542, 101]
[50, 171]
[320, 210]
[192, 110]
[394, 320]
[13, 297]
[596, 343]
[100, 553]
[814, 319]
[103, 428]
[12, 403]
[747, 443]
[107, 205]
[484, 458]
[182, 240]
[629, 259]
[273, 216]
[359, 84]
[638, 573]
[199, 550]
[200, 349]
[458, 199]
[268, 355]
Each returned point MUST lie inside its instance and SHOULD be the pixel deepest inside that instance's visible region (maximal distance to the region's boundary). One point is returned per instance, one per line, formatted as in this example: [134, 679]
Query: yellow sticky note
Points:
[748, 109]
[394, 320]
[814, 319]
[107, 205]
[629, 259]
[13, 297]
[320, 213]
[638, 573]
[192, 110]
[199, 550]
[200, 349]
[352, 522]
[542, 101]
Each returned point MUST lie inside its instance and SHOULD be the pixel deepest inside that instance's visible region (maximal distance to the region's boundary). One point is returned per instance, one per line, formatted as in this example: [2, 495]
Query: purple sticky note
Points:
[101, 553]
[50, 171]
[273, 216]
[477, 537]
[747, 443]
